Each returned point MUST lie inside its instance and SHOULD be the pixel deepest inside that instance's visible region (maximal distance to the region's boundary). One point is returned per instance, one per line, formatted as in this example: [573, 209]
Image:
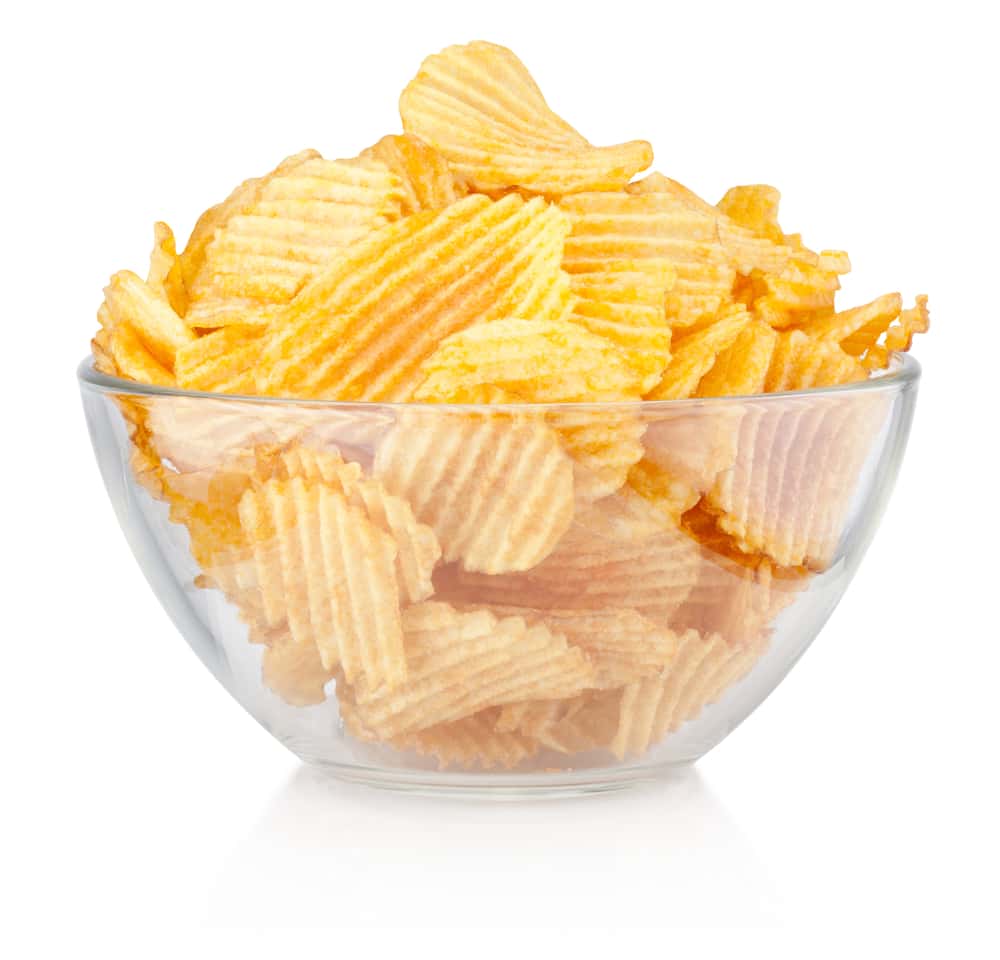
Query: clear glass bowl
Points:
[444, 597]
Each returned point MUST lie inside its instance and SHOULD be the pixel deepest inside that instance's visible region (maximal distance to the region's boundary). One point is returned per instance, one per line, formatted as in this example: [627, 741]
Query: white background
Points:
[863, 794]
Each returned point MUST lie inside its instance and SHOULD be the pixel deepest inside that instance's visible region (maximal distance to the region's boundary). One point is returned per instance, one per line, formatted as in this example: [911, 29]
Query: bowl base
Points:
[501, 786]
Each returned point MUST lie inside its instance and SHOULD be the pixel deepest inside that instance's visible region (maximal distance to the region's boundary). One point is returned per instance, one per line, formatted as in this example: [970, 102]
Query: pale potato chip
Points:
[323, 565]
[298, 221]
[541, 361]
[478, 105]
[362, 329]
[497, 491]
[578, 724]
[648, 706]
[461, 663]
[610, 227]
[695, 354]
[294, 670]
[603, 444]
[471, 742]
[662, 489]
[429, 182]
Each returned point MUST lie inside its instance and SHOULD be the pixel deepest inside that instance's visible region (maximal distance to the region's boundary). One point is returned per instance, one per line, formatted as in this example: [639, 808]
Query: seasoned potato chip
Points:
[429, 182]
[694, 355]
[497, 492]
[534, 360]
[610, 227]
[362, 329]
[298, 221]
[478, 105]
[461, 663]
[323, 565]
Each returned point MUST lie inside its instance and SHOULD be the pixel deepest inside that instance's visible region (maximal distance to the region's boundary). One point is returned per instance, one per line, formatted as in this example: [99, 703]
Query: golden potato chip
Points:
[241, 200]
[647, 706]
[612, 227]
[130, 358]
[461, 663]
[323, 565]
[362, 329]
[221, 361]
[165, 275]
[625, 303]
[542, 361]
[294, 670]
[478, 105]
[298, 221]
[132, 301]
[756, 208]
[662, 489]
[603, 444]
[694, 355]
[469, 742]
[859, 328]
[429, 183]
[800, 289]
[741, 368]
[498, 492]
[799, 361]
[917, 319]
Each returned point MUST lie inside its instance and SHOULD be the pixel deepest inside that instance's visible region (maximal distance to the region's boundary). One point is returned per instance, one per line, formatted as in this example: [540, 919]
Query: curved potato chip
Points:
[741, 368]
[756, 208]
[497, 492]
[165, 275]
[362, 329]
[469, 742]
[221, 361]
[916, 319]
[294, 670]
[478, 105]
[298, 220]
[461, 663]
[534, 360]
[603, 445]
[611, 227]
[858, 328]
[429, 183]
[799, 361]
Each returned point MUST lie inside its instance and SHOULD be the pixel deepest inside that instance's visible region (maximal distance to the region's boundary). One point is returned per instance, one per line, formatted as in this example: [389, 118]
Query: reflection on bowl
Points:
[504, 598]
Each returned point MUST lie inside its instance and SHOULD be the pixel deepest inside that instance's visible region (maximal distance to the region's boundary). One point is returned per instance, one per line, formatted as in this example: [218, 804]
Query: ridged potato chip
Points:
[362, 329]
[294, 670]
[578, 724]
[541, 361]
[603, 444]
[298, 221]
[741, 368]
[497, 492]
[165, 275]
[478, 105]
[800, 361]
[461, 663]
[221, 361]
[756, 208]
[323, 565]
[470, 742]
[610, 227]
[429, 182]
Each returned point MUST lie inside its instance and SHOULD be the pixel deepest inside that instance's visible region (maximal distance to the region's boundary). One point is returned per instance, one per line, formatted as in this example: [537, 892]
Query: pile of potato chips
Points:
[486, 570]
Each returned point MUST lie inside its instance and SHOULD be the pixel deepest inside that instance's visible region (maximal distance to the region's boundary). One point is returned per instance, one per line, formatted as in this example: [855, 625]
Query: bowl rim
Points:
[902, 371]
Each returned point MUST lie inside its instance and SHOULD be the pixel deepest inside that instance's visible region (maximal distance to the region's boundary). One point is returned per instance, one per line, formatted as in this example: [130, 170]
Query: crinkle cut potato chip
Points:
[478, 105]
[498, 492]
[362, 329]
[487, 463]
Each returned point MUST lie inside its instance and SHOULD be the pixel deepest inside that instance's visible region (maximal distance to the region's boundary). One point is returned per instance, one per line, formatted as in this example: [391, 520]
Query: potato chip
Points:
[461, 663]
[130, 358]
[298, 221]
[603, 444]
[132, 301]
[800, 289]
[241, 200]
[856, 329]
[756, 208]
[694, 355]
[542, 361]
[799, 361]
[647, 706]
[625, 303]
[294, 670]
[587, 571]
[623, 645]
[578, 724]
[323, 565]
[741, 368]
[608, 228]
[917, 319]
[797, 464]
[362, 329]
[429, 183]
[165, 275]
[470, 742]
[478, 105]
[221, 361]
[497, 491]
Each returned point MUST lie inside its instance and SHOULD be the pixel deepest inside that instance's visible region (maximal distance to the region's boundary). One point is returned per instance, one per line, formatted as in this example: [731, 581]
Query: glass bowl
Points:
[500, 599]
